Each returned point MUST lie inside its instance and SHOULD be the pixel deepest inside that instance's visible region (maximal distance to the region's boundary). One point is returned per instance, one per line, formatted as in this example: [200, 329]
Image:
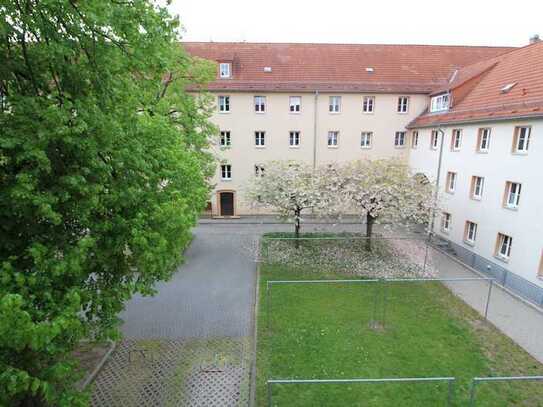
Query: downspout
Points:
[436, 192]
[315, 116]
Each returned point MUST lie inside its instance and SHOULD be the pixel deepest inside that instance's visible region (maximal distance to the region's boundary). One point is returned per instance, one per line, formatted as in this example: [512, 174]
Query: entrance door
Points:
[227, 203]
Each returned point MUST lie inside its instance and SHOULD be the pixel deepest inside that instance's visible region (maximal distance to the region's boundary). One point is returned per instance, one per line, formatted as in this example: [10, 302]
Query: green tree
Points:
[103, 170]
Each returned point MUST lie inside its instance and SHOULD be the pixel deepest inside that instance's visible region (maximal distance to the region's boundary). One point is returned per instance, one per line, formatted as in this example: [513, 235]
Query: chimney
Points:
[535, 38]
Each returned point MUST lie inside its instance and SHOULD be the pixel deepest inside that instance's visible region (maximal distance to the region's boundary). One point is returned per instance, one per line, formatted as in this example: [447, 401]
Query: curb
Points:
[92, 375]
[252, 392]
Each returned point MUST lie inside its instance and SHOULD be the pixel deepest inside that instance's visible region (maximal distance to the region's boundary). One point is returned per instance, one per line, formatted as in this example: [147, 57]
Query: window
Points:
[259, 170]
[477, 185]
[224, 104]
[434, 139]
[456, 140]
[368, 103]
[521, 140]
[470, 233]
[260, 138]
[446, 221]
[483, 140]
[503, 246]
[226, 172]
[399, 139]
[294, 138]
[224, 69]
[260, 104]
[365, 139]
[333, 138]
[403, 104]
[414, 139]
[225, 139]
[512, 194]
[334, 105]
[439, 103]
[295, 103]
[450, 185]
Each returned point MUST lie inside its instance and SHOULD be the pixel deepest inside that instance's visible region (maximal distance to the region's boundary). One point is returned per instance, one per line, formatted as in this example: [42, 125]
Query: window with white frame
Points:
[225, 139]
[450, 185]
[226, 172]
[446, 221]
[512, 194]
[483, 140]
[477, 186]
[399, 139]
[439, 103]
[521, 139]
[333, 138]
[334, 104]
[295, 104]
[224, 104]
[260, 138]
[365, 139]
[403, 104]
[259, 170]
[294, 139]
[368, 104]
[434, 139]
[456, 140]
[503, 246]
[414, 139]
[225, 70]
[260, 104]
[470, 233]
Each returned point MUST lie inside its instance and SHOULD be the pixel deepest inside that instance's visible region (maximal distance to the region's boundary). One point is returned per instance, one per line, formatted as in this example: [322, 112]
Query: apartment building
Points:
[329, 102]
[488, 122]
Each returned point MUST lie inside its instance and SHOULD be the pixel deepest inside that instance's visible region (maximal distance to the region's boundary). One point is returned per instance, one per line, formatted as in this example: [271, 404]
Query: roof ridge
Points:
[512, 48]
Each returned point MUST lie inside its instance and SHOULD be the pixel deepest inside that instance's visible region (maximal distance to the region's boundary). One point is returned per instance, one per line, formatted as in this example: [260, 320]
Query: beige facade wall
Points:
[277, 121]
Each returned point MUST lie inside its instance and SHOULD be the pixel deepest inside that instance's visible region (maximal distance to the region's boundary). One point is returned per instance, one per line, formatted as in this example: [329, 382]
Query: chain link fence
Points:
[515, 283]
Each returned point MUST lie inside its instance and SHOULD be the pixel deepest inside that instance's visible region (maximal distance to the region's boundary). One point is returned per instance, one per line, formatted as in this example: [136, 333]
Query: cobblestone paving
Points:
[191, 343]
[189, 372]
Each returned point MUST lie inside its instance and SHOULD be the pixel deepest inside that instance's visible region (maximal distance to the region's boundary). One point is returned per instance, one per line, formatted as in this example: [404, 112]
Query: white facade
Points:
[500, 165]
[313, 123]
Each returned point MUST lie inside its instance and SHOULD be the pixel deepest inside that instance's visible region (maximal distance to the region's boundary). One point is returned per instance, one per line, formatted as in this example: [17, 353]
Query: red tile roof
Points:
[522, 67]
[339, 67]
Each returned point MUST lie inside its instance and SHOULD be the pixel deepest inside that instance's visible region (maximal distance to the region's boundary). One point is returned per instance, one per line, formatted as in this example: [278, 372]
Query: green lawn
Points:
[326, 331]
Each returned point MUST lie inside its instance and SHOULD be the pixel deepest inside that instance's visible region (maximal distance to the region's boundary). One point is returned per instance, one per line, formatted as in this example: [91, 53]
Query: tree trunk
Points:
[369, 230]
[297, 227]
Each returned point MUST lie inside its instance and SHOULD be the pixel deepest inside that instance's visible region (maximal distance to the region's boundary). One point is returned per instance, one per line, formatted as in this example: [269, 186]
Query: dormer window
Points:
[225, 70]
[440, 103]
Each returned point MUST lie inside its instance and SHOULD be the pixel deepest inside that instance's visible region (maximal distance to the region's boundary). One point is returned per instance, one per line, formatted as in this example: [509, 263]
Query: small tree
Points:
[289, 187]
[385, 189]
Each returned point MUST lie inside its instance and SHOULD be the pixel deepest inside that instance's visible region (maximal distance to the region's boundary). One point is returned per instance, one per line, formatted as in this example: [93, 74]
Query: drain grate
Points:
[188, 372]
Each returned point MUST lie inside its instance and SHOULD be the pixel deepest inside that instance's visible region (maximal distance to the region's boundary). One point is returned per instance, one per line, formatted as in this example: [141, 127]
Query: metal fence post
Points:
[270, 401]
[425, 258]
[490, 284]
[385, 297]
[472, 393]
[268, 305]
[450, 393]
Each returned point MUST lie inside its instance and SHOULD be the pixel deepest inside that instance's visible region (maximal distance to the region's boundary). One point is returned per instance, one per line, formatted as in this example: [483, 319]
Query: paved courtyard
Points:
[192, 343]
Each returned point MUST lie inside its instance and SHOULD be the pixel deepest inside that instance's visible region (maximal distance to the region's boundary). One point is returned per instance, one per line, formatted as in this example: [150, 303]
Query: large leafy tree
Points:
[102, 173]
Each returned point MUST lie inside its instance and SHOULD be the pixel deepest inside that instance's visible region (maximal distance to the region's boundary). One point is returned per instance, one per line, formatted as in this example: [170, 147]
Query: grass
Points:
[326, 331]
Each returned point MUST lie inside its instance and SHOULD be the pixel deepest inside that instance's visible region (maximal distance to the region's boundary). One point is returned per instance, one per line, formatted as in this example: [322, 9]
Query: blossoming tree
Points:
[385, 189]
[289, 188]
